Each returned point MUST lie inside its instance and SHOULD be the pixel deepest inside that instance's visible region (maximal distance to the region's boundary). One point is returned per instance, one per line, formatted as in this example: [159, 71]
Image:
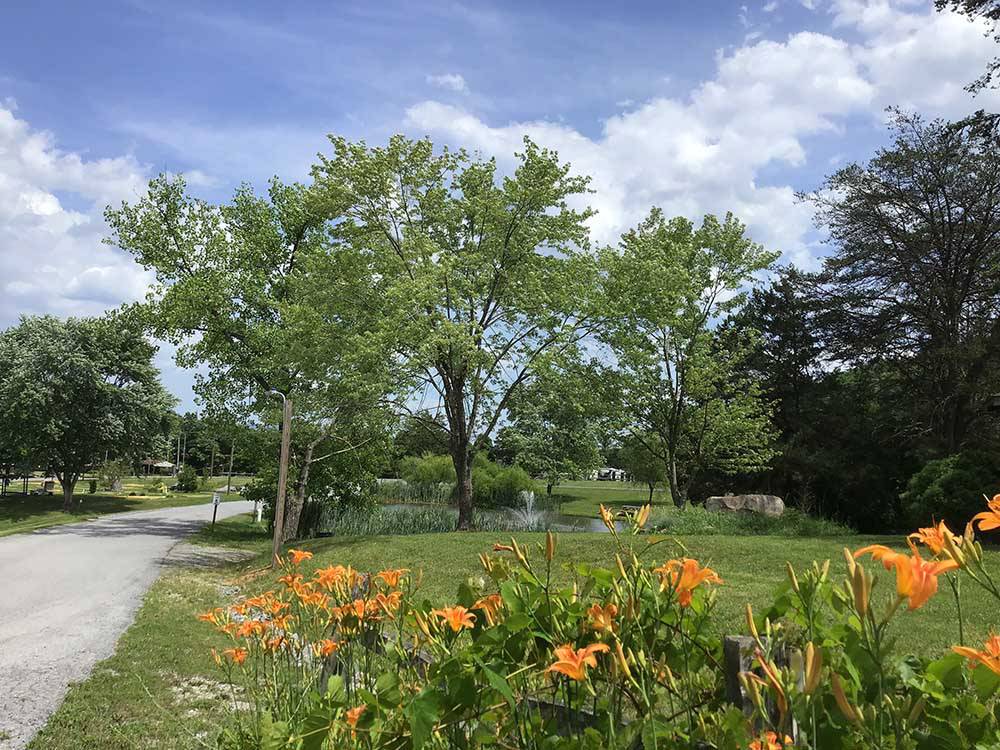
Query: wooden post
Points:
[229, 474]
[279, 506]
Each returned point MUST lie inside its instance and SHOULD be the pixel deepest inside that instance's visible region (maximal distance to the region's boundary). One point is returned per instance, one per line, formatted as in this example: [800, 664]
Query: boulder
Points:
[769, 505]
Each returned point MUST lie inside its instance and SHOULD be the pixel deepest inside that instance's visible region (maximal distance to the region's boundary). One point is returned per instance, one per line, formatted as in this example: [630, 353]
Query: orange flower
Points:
[933, 537]
[490, 606]
[684, 576]
[388, 603]
[770, 741]
[881, 553]
[502, 547]
[236, 655]
[916, 579]
[602, 619]
[208, 617]
[325, 647]
[298, 555]
[990, 658]
[352, 717]
[989, 519]
[574, 662]
[457, 617]
[292, 580]
[330, 577]
[391, 577]
[249, 628]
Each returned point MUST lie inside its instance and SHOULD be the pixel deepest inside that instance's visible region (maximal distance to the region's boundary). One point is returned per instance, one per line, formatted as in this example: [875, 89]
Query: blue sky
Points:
[694, 106]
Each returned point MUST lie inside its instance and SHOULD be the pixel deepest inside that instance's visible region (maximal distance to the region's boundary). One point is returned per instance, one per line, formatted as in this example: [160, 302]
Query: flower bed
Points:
[627, 657]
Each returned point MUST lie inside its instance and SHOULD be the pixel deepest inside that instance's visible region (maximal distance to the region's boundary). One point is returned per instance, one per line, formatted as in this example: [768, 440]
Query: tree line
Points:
[415, 286]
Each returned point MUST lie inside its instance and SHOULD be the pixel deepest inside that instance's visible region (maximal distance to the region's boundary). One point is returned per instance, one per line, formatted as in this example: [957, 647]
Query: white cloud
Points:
[51, 255]
[450, 81]
[767, 99]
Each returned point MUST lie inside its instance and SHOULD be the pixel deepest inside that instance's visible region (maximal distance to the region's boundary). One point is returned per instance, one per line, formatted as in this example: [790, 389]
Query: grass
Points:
[19, 514]
[160, 689]
[582, 497]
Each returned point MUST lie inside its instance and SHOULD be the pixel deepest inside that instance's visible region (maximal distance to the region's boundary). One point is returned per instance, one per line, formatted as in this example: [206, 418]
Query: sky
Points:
[695, 106]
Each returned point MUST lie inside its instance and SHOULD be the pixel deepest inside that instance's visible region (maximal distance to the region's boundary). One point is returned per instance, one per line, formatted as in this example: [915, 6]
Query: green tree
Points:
[74, 391]
[681, 378]
[476, 276]
[914, 277]
[234, 294]
[555, 421]
[643, 464]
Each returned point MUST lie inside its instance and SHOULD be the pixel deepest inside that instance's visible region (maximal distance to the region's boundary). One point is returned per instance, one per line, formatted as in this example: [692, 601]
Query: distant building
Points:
[609, 474]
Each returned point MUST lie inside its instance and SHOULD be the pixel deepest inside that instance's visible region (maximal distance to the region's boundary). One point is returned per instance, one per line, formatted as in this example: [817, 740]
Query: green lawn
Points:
[19, 513]
[160, 688]
[582, 497]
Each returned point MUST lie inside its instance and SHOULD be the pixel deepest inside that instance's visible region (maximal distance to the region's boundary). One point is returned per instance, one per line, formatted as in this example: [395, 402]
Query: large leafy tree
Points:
[74, 391]
[477, 275]
[233, 293]
[683, 388]
[914, 278]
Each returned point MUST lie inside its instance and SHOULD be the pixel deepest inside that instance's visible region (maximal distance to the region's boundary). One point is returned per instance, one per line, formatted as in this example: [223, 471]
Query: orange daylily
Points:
[388, 603]
[498, 547]
[325, 647]
[352, 715]
[881, 553]
[916, 578]
[490, 605]
[989, 519]
[236, 655]
[457, 617]
[298, 555]
[208, 617]
[771, 741]
[602, 619]
[330, 577]
[684, 576]
[391, 577]
[989, 658]
[574, 662]
[934, 537]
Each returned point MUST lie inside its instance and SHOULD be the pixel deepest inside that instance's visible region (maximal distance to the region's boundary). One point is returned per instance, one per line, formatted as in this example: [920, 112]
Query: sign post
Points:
[216, 499]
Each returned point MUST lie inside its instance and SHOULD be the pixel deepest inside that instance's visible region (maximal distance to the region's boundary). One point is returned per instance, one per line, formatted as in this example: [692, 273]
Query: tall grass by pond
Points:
[431, 519]
[697, 520]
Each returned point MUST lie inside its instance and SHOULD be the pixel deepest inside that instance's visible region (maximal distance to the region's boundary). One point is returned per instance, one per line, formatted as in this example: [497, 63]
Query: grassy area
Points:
[582, 497]
[160, 688]
[19, 513]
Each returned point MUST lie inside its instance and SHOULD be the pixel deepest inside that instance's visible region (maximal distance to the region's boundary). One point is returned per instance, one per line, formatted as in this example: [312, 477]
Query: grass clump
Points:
[697, 520]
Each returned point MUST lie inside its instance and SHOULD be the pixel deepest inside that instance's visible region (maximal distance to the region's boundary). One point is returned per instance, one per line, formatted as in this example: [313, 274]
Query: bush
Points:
[92, 487]
[158, 487]
[187, 480]
[951, 489]
[385, 521]
[333, 657]
[496, 486]
[111, 473]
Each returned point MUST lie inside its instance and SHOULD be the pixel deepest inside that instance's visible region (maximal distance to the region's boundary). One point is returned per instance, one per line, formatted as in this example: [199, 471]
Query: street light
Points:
[279, 506]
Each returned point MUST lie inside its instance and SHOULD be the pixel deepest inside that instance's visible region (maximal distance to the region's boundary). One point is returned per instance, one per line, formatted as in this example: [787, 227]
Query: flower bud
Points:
[791, 576]
[550, 546]
[849, 712]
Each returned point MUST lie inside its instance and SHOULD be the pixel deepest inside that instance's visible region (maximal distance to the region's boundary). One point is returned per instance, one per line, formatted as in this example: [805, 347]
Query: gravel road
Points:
[67, 594]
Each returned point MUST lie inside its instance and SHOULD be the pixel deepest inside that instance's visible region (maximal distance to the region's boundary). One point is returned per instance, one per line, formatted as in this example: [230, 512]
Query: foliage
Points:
[187, 479]
[75, 390]
[642, 464]
[950, 489]
[111, 473]
[427, 470]
[402, 521]
[555, 421]
[92, 487]
[475, 276]
[335, 657]
[680, 379]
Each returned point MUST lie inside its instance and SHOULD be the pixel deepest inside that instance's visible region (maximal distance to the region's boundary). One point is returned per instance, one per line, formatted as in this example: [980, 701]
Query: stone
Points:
[769, 505]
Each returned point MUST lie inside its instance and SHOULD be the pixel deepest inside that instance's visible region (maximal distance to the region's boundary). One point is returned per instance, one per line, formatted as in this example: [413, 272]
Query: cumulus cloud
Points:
[711, 151]
[450, 81]
[51, 255]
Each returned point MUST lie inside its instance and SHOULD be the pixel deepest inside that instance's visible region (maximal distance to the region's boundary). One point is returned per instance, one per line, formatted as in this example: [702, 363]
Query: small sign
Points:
[216, 498]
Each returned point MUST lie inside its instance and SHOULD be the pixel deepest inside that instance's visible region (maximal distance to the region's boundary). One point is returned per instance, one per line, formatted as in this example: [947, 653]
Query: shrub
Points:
[111, 473]
[333, 657]
[158, 487]
[187, 479]
[951, 489]
[92, 486]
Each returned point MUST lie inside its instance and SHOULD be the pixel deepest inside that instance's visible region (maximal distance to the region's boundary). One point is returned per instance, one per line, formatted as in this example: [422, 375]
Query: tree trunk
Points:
[67, 487]
[548, 489]
[463, 487]
[676, 494]
[651, 488]
[293, 513]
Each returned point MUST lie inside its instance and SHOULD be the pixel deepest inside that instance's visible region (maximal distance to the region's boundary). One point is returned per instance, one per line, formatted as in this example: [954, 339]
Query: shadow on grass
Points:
[19, 508]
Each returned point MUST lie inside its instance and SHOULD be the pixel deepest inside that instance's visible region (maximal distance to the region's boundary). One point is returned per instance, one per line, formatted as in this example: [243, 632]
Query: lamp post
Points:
[279, 506]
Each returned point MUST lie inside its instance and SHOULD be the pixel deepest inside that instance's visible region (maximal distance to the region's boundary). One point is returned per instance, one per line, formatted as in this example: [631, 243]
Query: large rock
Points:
[769, 505]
